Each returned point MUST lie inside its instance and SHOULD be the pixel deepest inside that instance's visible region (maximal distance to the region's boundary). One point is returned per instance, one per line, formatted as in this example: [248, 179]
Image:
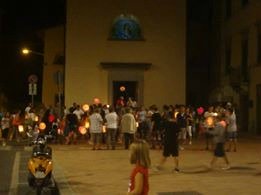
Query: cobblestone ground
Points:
[79, 170]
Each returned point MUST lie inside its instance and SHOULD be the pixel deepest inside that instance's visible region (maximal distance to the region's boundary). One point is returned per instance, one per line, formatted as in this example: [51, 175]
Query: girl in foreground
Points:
[139, 178]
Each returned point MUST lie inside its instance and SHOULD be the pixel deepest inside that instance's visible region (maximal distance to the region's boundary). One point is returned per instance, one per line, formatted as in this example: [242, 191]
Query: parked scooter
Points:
[40, 166]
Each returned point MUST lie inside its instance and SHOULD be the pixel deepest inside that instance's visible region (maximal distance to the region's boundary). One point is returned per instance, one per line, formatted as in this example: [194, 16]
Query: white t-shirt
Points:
[96, 123]
[112, 120]
[78, 113]
[232, 123]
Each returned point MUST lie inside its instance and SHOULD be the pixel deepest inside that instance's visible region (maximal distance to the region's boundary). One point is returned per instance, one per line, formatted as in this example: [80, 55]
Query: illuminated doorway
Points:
[125, 89]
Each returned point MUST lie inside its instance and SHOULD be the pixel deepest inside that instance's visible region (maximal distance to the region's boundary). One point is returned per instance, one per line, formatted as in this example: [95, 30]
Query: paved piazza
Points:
[79, 170]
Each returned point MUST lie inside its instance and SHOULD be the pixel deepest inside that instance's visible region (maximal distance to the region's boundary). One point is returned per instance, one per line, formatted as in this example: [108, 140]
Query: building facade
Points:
[132, 48]
[238, 58]
[53, 68]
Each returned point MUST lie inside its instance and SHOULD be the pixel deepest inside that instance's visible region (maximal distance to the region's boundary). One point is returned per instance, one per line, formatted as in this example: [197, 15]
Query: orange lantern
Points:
[82, 130]
[85, 107]
[96, 101]
[122, 88]
[210, 121]
[42, 126]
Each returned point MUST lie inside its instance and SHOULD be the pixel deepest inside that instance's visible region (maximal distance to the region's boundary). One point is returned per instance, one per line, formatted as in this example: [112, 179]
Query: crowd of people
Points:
[121, 123]
[126, 125]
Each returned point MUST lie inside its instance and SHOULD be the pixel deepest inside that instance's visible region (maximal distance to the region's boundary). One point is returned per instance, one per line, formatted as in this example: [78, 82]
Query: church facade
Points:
[131, 48]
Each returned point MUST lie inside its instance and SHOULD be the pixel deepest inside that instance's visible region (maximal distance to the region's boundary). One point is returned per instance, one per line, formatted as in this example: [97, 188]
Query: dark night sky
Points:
[22, 25]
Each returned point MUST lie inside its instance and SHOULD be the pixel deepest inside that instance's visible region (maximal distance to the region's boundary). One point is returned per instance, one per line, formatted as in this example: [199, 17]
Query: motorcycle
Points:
[40, 166]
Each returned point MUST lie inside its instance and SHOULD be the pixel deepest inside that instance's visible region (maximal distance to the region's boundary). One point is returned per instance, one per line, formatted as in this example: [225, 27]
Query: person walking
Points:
[128, 127]
[170, 142]
[112, 121]
[219, 137]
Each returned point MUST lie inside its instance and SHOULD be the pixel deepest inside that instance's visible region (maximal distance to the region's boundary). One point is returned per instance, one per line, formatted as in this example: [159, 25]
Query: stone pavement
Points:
[79, 170]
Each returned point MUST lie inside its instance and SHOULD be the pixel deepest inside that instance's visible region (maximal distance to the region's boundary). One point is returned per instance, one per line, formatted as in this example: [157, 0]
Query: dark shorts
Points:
[171, 150]
[232, 135]
[219, 150]
[5, 133]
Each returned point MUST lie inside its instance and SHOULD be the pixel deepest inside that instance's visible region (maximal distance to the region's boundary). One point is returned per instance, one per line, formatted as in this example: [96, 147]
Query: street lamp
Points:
[26, 51]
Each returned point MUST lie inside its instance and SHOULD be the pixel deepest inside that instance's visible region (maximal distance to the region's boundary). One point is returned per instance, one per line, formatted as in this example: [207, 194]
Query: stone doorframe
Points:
[126, 72]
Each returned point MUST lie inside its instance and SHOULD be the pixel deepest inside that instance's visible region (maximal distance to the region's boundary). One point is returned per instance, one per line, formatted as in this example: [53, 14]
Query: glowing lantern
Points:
[200, 110]
[215, 114]
[85, 107]
[51, 118]
[96, 101]
[59, 131]
[42, 126]
[20, 128]
[82, 130]
[210, 121]
[87, 125]
[104, 129]
[122, 88]
[36, 118]
[223, 123]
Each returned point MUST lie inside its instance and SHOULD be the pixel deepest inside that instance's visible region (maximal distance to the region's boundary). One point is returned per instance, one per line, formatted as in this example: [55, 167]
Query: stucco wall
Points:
[54, 45]
[244, 20]
[88, 27]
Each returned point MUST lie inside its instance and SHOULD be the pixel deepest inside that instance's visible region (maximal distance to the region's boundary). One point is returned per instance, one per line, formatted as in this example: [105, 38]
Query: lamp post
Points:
[58, 77]
[32, 79]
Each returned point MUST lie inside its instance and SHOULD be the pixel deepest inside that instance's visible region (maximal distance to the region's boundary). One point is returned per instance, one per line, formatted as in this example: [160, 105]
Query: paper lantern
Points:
[82, 130]
[96, 101]
[51, 118]
[223, 123]
[122, 88]
[59, 131]
[200, 110]
[36, 118]
[210, 121]
[42, 126]
[20, 128]
[87, 125]
[85, 107]
[104, 129]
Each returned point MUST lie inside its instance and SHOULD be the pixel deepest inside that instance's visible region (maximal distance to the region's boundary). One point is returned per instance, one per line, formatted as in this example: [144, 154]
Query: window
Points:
[126, 27]
[228, 8]
[244, 58]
